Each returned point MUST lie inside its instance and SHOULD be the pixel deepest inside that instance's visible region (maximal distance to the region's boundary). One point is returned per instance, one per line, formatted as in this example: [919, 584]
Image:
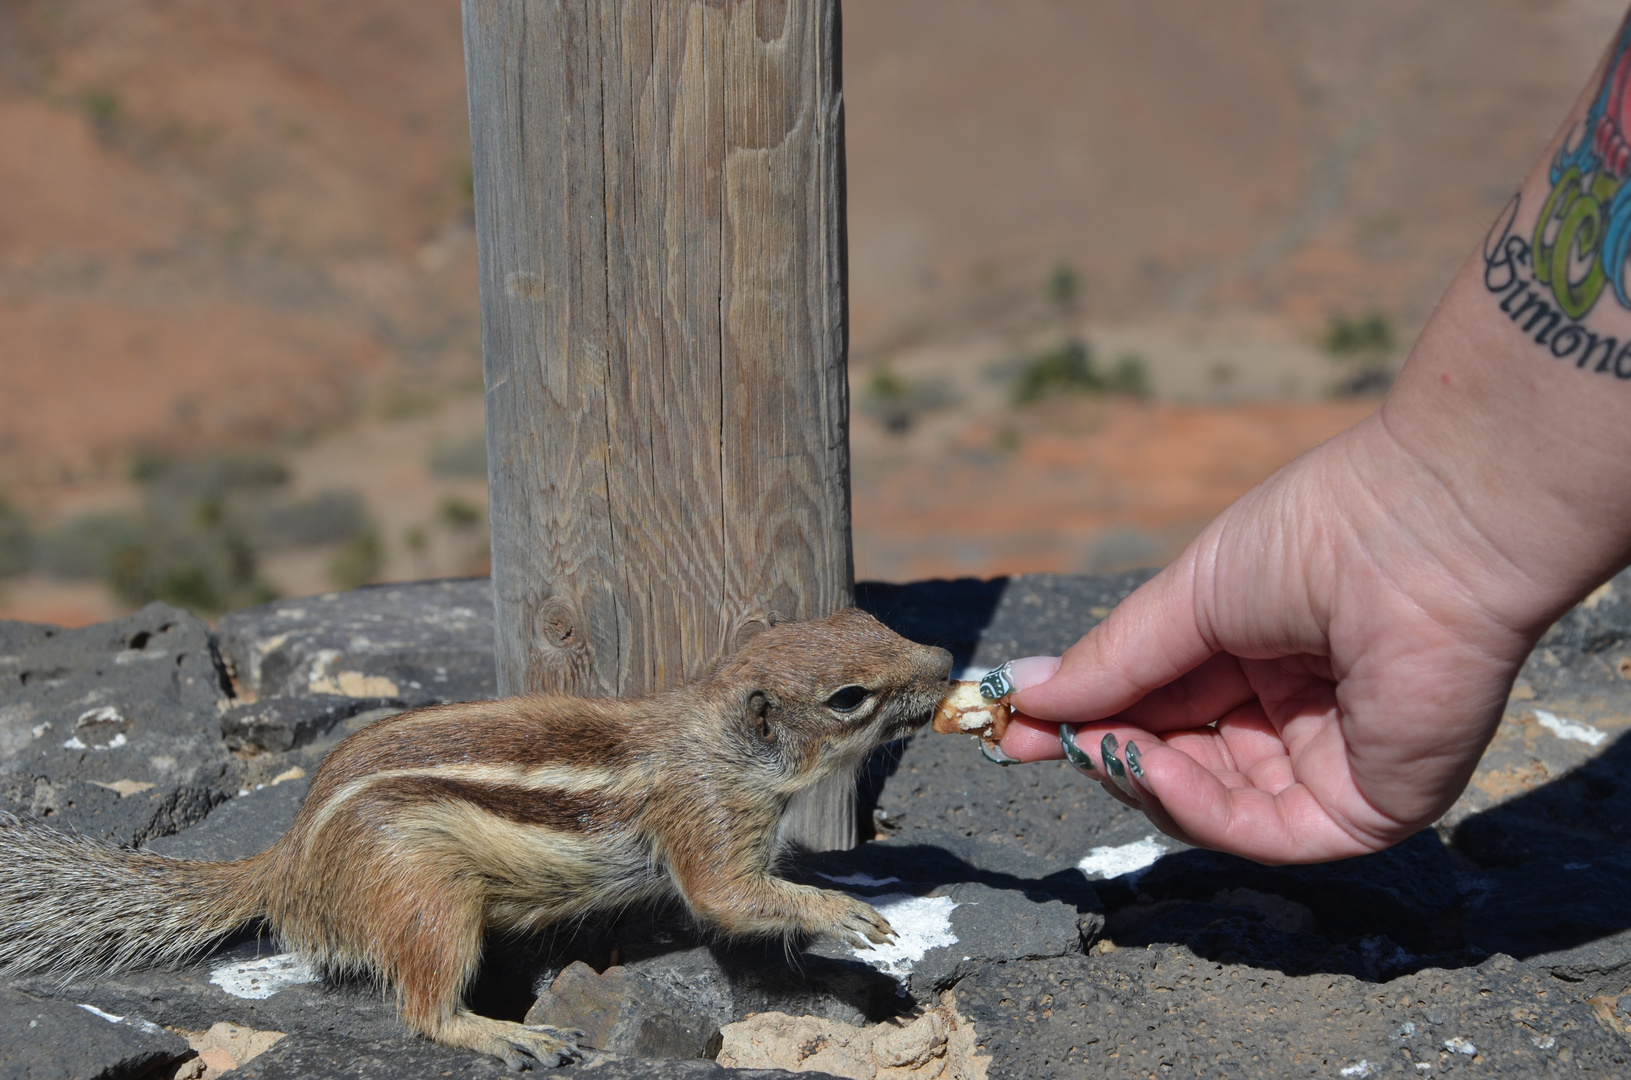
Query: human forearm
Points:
[1517, 395]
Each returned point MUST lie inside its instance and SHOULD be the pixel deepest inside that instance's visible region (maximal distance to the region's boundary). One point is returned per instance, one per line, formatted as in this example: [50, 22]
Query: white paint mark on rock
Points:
[126, 788]
[134, 656]
[1570, 729]
[920, 923]
[861, 879]
[1543, 1042]
[1109, 862]
[112, 744]
[94, 1011]
[1363, 1068]
[258, 979]
[1458, 1045]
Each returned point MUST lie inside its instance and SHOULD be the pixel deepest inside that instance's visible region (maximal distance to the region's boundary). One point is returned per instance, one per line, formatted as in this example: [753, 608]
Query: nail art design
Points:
[1079, 759]
[994, 752]
[997, 683]
[1112, 764]
[1132, 760]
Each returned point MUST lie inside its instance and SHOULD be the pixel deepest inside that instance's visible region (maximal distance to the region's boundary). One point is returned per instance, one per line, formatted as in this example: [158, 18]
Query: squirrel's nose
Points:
[941, 661]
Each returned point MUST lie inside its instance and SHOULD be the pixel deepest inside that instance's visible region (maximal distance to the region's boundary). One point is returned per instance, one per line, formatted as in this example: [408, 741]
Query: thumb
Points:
[1150, 639]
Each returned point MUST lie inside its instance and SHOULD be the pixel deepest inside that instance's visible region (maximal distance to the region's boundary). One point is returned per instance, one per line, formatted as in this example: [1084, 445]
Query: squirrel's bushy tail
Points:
[73, 906]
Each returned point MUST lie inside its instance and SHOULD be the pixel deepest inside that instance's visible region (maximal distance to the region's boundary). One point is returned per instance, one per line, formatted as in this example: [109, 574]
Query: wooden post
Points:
[660, 215]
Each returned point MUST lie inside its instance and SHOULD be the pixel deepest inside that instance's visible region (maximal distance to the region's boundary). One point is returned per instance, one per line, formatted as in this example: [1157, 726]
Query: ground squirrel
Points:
[426, 829]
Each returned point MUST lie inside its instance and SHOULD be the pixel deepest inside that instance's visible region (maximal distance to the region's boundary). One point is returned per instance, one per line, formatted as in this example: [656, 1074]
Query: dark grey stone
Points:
[88, 808]
[339, 1031]
[278, 724]
[424, 642]
[44, 1040]
[726, 981]
[240, 827]
[1402, 893]
[125, 703]
[680, 1069]
[941, 783]
[185, 998]
[1010, 905]
[1549, 908]
[1164, 1011]
[1576, 812]
[305, 1055]
[624, 1012]
[1584, 647]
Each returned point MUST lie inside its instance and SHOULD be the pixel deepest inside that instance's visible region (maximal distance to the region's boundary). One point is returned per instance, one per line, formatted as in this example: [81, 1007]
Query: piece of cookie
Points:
[966, 710]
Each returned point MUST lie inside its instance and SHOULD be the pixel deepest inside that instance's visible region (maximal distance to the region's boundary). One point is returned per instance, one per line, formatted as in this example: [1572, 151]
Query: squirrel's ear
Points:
[759, 706]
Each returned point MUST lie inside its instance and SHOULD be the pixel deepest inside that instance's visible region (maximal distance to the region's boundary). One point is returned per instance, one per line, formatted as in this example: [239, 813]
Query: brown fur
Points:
[425, 830]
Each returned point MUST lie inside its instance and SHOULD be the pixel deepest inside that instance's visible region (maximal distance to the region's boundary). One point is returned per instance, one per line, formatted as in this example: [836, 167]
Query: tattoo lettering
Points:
[1511, 273]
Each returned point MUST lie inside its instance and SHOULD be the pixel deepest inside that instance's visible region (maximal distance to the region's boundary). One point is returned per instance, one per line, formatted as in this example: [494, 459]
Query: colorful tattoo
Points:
[1552, 279]
[1584, 232]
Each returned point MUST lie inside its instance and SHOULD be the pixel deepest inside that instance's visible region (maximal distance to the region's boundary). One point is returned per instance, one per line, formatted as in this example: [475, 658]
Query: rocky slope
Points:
[1049, 931]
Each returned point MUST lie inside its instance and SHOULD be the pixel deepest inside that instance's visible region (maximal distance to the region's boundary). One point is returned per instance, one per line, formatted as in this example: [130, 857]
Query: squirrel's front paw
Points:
[856, 923]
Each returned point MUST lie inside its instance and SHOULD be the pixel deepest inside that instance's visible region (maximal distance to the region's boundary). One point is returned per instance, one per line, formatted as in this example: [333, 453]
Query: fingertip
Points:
[1156, 768]
[1029, 739]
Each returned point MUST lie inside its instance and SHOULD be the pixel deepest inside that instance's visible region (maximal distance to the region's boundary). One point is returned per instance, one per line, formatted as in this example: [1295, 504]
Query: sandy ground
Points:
[226, 225]
[1067, 487]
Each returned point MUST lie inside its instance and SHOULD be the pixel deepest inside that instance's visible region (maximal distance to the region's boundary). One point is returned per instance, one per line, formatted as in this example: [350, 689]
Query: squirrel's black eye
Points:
[848, 699]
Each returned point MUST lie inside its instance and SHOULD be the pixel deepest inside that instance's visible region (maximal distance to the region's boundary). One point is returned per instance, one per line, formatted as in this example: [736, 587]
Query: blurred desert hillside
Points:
[1110, 264]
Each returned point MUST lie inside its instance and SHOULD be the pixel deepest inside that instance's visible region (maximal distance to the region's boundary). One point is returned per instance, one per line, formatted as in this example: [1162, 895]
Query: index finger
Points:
[1151, 639]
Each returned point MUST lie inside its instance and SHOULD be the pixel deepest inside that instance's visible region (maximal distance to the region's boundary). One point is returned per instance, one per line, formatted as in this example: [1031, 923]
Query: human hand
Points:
[1315, 676]
[1318, 673]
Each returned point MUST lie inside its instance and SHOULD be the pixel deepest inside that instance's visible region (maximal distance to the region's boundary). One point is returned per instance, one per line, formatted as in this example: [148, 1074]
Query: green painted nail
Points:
[996, 683]
[1079, 759]
[1132, 760]
[997, 754]
[1112, 764]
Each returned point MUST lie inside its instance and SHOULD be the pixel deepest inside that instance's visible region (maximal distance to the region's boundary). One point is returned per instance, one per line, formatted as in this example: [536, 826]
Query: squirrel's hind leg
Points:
[431, 953]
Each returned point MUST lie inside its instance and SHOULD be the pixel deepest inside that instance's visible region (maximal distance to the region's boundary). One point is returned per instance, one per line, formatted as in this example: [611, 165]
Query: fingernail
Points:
[994, 752]
[996, 683]
[1029, 671]
[1079, 759]
[1132, 760]
[1112, 764]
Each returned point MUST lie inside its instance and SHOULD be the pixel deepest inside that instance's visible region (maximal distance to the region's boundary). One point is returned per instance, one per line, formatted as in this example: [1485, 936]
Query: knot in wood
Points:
[558, 624]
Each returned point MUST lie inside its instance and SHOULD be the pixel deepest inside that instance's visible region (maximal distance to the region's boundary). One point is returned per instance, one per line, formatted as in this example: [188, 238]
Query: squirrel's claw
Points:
[536, 1046]
[860, 925]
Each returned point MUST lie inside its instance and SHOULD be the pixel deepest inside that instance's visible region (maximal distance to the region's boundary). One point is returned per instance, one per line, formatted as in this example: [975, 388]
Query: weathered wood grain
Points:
[660, 214]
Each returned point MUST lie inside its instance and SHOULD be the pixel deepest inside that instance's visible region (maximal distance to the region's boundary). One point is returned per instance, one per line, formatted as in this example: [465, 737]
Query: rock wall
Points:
[1050, 929]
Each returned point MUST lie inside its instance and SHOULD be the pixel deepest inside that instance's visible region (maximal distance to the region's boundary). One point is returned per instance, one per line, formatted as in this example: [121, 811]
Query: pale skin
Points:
[1317, 674]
